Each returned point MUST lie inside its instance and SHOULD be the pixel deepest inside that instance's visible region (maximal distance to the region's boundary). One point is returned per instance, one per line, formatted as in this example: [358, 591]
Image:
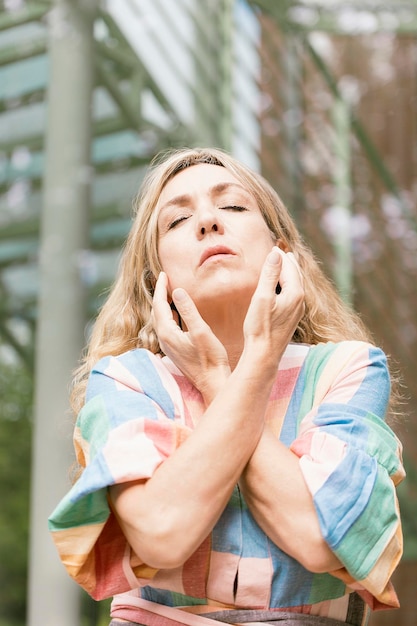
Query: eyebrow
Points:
[214, 191]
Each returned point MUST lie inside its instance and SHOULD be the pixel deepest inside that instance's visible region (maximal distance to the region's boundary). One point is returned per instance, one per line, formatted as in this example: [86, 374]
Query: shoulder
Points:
[137, 370]
[343, 352]
[350, 369]
[132, 360]
[346, 363]
[340, 353]
[332, 358]
[132, 379]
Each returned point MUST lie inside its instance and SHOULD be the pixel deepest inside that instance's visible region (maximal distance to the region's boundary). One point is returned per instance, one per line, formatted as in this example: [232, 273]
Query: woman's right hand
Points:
[272, 318]
[196, 351]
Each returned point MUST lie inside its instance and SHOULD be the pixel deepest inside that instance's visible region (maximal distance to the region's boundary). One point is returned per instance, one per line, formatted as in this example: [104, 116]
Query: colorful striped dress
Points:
[327, 405]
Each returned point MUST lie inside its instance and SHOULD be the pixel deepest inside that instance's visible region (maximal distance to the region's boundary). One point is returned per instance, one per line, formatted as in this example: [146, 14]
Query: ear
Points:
[283, 245]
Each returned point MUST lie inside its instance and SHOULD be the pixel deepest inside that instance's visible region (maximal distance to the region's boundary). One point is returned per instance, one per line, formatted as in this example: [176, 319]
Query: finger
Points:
[292, 258]
[291, 276]
[271, 271]
[188, 311]
[161, 310]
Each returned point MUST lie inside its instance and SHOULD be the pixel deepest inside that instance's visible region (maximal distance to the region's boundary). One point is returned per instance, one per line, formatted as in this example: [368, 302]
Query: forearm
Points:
[278, 497]
[166, 518]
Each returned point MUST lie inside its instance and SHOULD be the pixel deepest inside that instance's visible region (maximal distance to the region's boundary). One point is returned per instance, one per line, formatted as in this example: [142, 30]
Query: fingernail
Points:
[179, 294]
[274, 256]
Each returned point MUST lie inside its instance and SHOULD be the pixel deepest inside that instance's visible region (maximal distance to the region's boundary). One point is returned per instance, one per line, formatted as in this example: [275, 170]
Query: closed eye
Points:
[233, 207]
[177, 221]
[228, 207]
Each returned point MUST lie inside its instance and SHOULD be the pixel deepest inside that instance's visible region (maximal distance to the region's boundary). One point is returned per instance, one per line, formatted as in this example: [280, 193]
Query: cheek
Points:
[171, 260]
[164, 255]
[176, 253]
[262, 233]
[265, 241]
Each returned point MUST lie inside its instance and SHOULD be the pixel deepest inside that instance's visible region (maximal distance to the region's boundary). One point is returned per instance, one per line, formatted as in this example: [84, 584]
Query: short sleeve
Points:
[132, 421]
[352, 461]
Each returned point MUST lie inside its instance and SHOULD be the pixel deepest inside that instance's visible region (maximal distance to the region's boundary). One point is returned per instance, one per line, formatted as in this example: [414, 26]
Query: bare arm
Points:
[278, 497]
[166, 518]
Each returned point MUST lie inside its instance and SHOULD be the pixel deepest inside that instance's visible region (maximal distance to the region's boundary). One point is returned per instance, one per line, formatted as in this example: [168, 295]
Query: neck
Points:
[226, 322]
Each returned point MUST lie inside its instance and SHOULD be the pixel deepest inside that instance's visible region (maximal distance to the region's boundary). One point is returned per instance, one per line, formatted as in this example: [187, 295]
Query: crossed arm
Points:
[167, 517]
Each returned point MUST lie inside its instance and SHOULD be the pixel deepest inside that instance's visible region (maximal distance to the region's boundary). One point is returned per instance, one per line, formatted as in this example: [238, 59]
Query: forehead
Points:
[200, 178]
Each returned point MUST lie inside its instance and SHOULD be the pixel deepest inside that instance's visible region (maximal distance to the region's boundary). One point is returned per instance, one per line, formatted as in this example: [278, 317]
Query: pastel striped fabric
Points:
[328, 405]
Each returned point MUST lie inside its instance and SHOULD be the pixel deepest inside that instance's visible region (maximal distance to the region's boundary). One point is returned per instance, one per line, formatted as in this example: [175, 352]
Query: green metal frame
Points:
[117, 62]
[399, 16]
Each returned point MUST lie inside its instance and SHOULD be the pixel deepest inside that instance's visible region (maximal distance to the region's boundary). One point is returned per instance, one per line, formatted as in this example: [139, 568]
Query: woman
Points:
[236, 463]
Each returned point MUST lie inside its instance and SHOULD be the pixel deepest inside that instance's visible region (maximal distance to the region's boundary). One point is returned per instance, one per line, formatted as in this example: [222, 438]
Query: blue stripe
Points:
[373, 393]
[354, 478]
[227, 533]
[291, 584]
[140, 362]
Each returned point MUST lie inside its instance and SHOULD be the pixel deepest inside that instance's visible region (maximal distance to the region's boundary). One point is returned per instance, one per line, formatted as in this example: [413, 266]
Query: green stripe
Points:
[325, 586]
[375, 528]
[386, 454]
[314, 364]
[94, 424]
[92, 508]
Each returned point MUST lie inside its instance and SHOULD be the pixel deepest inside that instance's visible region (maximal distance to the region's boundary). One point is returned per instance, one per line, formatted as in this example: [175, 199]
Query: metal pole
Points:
[52, 597]
[343, 270]
[293, 118]
[213, 57]
[226, 67]
[206, 90]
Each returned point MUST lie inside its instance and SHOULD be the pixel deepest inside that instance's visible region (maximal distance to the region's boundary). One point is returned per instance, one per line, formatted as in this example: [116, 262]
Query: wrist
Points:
[257, 370]
[258, 356]
[209, 386]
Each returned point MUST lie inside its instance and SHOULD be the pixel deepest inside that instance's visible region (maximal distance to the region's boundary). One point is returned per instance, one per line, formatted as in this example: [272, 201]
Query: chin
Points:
[224, 293]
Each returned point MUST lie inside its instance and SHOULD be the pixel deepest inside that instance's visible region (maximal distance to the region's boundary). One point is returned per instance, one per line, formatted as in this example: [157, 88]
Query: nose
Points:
[209, 221]
[204, 229]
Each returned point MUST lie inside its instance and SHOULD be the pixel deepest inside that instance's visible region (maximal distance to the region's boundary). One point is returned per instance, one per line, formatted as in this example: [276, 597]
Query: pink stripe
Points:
[285, 383]
[128, 444]
[170, 615]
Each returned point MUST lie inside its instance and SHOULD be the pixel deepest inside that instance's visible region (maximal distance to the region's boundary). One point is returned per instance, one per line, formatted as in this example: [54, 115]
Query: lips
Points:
[213, 251]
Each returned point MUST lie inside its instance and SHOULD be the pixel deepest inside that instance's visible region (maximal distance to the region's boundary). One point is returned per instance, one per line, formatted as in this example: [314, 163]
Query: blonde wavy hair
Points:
[124, 321]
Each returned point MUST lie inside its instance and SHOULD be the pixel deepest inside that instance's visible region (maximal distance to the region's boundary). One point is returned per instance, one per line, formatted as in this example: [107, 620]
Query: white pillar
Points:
[53, 598]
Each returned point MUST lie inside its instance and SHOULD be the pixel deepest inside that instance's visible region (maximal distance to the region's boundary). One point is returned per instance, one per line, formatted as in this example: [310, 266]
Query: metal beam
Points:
[31, 13]
[226, 60]
[341, 237]
[35, 143]
[21, 51]
[23, 99]
[125, 54]
[131, 113]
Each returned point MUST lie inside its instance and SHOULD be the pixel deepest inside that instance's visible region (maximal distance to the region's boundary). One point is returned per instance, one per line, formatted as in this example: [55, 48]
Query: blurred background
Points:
[320, 96]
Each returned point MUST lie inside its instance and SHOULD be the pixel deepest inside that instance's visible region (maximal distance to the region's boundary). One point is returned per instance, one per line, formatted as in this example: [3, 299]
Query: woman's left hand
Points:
[196, 351]
[272, 319]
